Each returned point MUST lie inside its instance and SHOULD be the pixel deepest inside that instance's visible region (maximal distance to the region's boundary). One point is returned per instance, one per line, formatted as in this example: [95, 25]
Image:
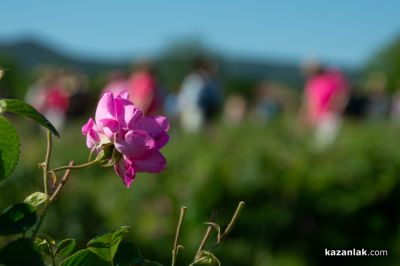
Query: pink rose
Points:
[136, 137]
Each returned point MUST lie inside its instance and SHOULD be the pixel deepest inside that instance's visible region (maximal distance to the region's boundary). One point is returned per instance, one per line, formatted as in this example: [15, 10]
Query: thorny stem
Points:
[207, 234]
[178, 231]
[52, 198]
[62, 182]
[70, 167]
[230, 225]
[53, 260]
[47, 161]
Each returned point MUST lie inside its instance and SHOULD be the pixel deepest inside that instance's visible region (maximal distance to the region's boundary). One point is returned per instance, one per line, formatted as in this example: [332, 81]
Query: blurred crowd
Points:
[58, 93]
[327, 97]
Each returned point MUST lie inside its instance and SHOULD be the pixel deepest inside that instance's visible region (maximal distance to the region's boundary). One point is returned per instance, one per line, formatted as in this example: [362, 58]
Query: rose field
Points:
[298, 201]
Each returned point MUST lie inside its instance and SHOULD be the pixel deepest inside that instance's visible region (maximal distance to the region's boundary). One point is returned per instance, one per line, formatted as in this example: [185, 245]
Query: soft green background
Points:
[298, 201]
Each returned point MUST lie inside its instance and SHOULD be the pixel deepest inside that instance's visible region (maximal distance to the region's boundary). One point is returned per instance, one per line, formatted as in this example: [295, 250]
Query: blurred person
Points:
[50, 97]
[200, 97]
[325, 98]
[268, 103]
[76, 84]
[144, 90]
[378, 101]
[171, 105]
[117, 82]
[357, 105]
[235, 109]
[35, 95]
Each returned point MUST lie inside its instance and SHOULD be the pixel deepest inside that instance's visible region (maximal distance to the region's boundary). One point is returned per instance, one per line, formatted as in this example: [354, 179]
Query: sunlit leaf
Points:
[9, 148]
[36, 198]
[19, 107]
[84, 257]
[106, 245]
[43, 246]
[65, 247]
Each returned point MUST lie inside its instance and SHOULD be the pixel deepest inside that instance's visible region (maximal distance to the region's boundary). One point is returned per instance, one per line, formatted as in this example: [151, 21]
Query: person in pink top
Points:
[143, 88]
[325, 97]
[117, 83]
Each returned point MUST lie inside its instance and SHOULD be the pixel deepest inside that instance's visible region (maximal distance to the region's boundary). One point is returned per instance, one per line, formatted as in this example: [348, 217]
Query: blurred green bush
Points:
[298, 201]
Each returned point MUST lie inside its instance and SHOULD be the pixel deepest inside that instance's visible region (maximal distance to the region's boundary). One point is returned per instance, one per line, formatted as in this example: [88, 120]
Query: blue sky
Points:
[340, 31]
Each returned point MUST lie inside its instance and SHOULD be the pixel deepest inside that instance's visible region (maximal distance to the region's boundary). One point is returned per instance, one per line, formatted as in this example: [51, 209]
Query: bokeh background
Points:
[299, 199]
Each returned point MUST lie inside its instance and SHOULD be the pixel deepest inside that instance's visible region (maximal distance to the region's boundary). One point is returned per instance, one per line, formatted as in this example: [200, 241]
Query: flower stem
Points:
[230, 225]
[47, 162]
[206, 235]
[70, 167]
[178, 231]
[51, 199]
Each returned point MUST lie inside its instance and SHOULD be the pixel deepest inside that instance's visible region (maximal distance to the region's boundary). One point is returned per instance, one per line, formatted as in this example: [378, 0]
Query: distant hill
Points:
[29, 53]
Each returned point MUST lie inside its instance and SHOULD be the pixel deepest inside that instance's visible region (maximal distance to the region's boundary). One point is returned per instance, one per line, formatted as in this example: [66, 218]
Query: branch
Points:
[47, 161]
[178, 231]
[70, 167]
[52, 198]
[230, 225]
[207, 234]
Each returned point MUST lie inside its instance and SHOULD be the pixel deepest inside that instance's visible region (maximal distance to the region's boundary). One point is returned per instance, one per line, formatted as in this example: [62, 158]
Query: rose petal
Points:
[86, 127]
[126, 171]
[109, 127]
[127, 112]
[92, 135]
[105, 108]
[123, 94]
[135, 144]
[152, 163]
[155, 125]
[162, 140]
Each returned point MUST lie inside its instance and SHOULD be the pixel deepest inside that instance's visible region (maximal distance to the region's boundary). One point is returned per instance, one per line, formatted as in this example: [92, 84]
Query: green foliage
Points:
[105, 246]
[43, 244]
[84, 257]
[102, 249]
[65, 247]
[387, 60]
[17, 219]
[129, 255]
[206, 258]
[15, 81]
[24, 109]
[20, 252]
[36, 198]
[9, 148]
[297, 199]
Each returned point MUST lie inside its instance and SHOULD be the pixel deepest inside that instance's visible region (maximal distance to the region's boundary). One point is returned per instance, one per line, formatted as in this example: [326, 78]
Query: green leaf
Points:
[105, 246]
[84, 257]
[17, 219]
[19, 107]
[128, 254]
[36, 198]
[43, 246]
[65, 247]
[115, 158]
[206, 258]
[9, 148]
[20, 252]
[149, 263]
